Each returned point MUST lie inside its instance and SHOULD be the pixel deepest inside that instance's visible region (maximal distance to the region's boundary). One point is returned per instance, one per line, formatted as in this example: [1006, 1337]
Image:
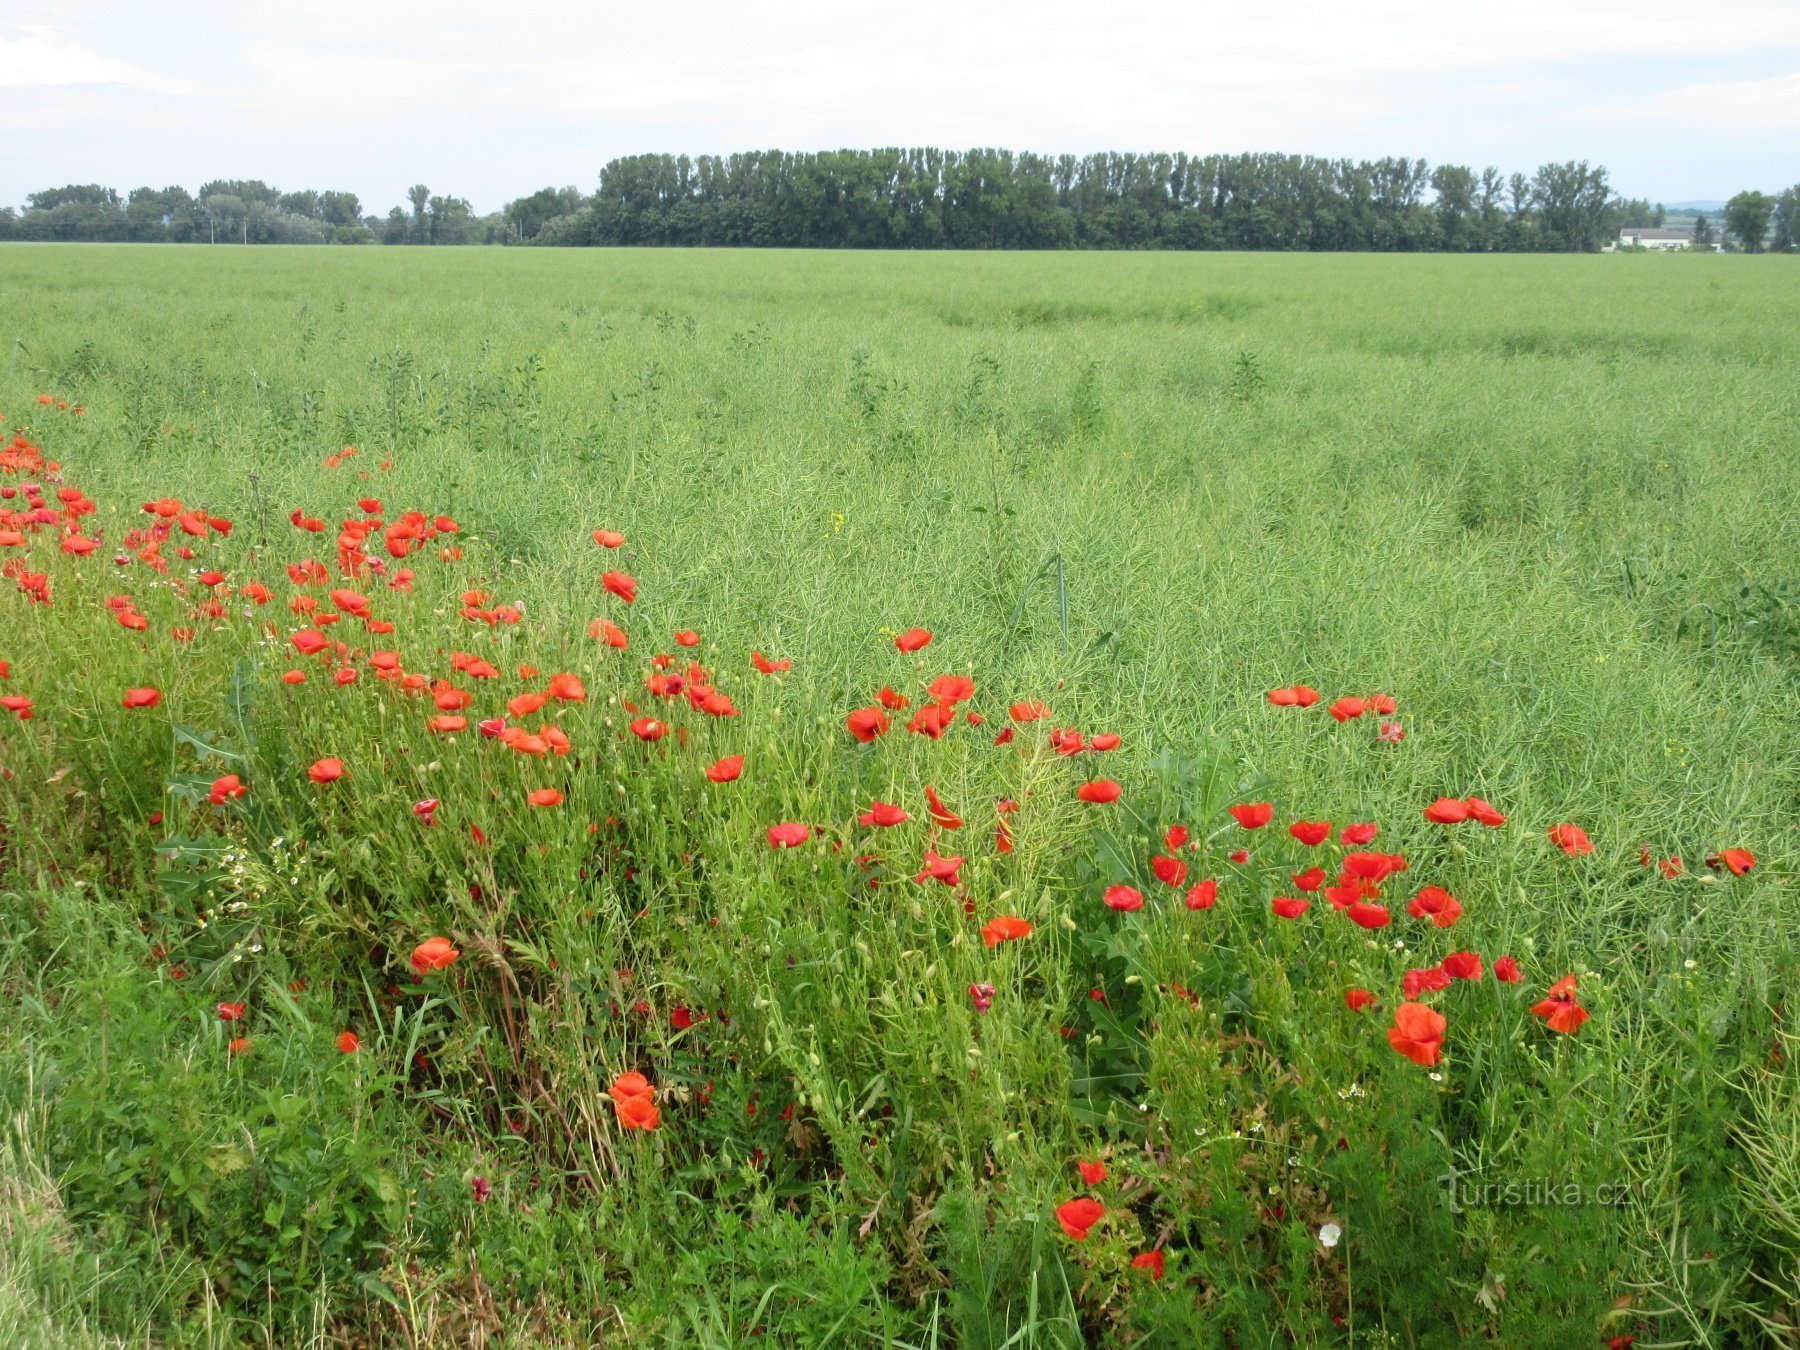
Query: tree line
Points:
[928, 198]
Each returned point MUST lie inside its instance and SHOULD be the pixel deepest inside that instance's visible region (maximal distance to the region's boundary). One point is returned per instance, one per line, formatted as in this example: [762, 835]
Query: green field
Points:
[1545, 504]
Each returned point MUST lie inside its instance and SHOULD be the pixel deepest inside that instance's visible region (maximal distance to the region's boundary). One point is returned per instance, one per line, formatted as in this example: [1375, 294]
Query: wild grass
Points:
[1546, 503]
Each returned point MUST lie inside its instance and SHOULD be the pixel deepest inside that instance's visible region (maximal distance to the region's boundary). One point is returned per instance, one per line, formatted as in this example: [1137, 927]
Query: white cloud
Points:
[1739, 107]
[39, 57]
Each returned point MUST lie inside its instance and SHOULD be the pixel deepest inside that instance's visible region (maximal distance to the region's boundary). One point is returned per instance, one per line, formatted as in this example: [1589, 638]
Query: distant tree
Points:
[1747, 219]
[1571, 201]
[304, 203]
[227, 217]
[396, 229]
[85, 194]
[1455, 187]
[451, 220]
[1490, 203]
[246, 190]
[341, 209]
[1786, 219]
[526, 216]
[1703, 232]
[420, 196]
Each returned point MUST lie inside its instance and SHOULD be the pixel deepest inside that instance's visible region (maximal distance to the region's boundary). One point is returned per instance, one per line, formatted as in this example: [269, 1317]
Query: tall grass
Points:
[1545, 503]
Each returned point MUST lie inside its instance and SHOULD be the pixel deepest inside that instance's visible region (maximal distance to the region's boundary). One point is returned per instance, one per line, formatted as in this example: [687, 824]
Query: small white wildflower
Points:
[1329, 1234]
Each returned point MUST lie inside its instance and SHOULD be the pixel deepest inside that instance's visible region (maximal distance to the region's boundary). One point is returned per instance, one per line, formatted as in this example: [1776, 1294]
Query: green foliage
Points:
[1144, 491]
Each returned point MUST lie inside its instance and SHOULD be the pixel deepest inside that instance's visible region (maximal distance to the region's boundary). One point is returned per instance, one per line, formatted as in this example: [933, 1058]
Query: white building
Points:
[1643, 236]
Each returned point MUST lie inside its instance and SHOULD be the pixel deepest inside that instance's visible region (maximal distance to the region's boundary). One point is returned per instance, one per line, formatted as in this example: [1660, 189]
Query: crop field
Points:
[726, 798]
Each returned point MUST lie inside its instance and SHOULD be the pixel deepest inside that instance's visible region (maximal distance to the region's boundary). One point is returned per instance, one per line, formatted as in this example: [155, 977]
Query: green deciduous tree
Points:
[1747, 219]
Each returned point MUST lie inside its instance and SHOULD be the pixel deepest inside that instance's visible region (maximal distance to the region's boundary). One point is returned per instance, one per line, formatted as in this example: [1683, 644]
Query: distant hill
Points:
[1686, 207]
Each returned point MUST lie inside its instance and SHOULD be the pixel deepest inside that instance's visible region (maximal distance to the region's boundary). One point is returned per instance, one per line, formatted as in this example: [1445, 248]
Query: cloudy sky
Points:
[1680, 99]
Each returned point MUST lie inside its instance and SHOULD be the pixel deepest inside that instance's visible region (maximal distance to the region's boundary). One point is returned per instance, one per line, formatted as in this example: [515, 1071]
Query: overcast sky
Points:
[1680, 99]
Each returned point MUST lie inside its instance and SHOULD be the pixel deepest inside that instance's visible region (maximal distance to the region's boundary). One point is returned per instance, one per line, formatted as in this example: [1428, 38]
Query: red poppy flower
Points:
[1437, 904]
[434, 953]
[1571, 839]
[1737, 861]
[1312, 833]
[649, 729]
[1463, 966]
[1671, 867]
[445, 724]
[1176, 837]
[1507, 970]
[1203, 895]
[1559, 1009]
[1309, 880]
[230, 1012]
[1346, 708]
[1123, 898]
[566, 688]
[1371, 867]
[1358, 999]
[727, 769]
[628, 1085]
[951, 689]
[766, 666]
[1005, 928]
[228, 788]
[1169, 871]
[912, 640]
[605, 630]
[1300, 696]
[326, 770]
[1078, 1216]
[788, 835]
[141, 698]
[637, 1113]
[1099, 792]
[1289, 907]
[609, 538]
[867, 723]
[1092, 1173]
[18, 705]
[239, 1046]
[1424, 979]
[1028, 712]
[883, 815]
[620, 585]
[1365, 915]
[1484, 812]
[946, 870]
[1103, 742]
[1240, 856]
[1359, 834]
[348, 1042]
[1253, 815]
[940, 813]
[687, 637]
[1418, 1033]
[545, 797]
[1151, 1261]
[891, 700]
[1447, 811]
